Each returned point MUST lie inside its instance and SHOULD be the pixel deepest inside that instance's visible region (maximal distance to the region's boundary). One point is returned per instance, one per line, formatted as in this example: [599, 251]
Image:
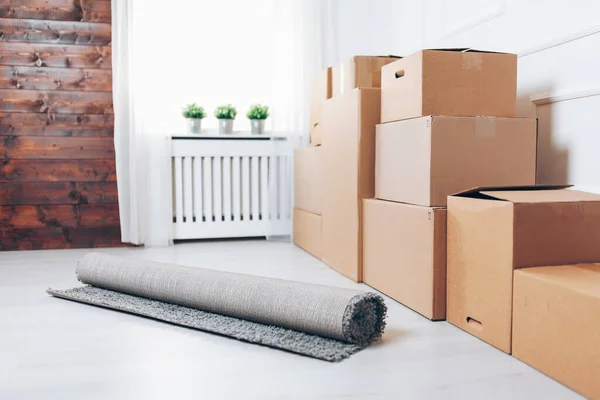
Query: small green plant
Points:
[226, 111]
[194, 111]
[258, 111]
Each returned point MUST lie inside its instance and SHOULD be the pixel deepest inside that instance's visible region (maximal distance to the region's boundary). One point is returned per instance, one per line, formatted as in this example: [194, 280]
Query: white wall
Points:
[559, 62]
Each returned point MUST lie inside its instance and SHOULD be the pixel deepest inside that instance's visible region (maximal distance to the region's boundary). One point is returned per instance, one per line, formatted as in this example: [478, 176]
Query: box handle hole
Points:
[472, 322]
[399, 74]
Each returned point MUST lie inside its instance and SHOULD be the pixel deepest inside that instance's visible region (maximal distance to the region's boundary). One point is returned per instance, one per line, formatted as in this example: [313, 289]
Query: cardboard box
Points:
[308, 233]
[321, 91]
[308, 174]
[423, 160]
[359, 72]
[404, 254]
[348, 176]
[556, 328]
[492, 232]
[460, 82]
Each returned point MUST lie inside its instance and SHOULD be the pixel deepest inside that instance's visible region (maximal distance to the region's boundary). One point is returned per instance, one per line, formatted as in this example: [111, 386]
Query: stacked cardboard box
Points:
[336, 173]
[348, 121]
[321, 91]
[510, 263]
[308, 193]
[447, 124]
[358, 72]
[308, 197]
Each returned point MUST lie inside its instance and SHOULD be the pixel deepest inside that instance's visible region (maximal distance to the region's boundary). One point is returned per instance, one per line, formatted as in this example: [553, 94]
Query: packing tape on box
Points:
[485, 126]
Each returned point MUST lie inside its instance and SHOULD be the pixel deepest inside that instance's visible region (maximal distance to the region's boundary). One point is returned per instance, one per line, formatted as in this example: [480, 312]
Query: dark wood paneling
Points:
[54, 55]
[39, 147]
[35, 124]
[55, 102]
[59, 238]
[64, 216]
[57, 32]
[58, 226]
[57, 170]
[34, 78]
[31, 193]
[63, 10]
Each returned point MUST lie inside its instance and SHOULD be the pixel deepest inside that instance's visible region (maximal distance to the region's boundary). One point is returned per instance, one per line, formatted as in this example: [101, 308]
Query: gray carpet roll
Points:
[347, 315]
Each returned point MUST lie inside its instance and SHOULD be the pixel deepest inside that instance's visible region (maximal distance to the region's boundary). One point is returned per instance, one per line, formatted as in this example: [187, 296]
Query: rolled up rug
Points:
[319, 321]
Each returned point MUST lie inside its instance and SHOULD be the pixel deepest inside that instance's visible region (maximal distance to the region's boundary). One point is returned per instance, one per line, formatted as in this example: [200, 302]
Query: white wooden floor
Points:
[55, 349]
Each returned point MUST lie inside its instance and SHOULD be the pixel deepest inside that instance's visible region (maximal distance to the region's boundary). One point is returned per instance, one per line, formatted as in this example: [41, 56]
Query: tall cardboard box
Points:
[308, 232]
[449, 82]
[492, 232]
[348, 176]
[308, 175]
[321, 91]
[556, 328]
[404, 254]
[423, 160]
[358, 72]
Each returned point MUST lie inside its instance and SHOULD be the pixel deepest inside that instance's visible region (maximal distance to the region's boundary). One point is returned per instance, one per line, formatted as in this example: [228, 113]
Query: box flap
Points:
[380, 55]
[477, 192]
[542, 196]
[467, 50]
[582, 278]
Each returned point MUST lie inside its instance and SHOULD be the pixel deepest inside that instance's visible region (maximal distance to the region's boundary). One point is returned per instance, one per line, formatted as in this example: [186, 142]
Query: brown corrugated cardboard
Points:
[556, 326]
[308, 174]
[348, 175]
[423, 160]
[321, 91]
[458, 82]
[404, 254]
[358, 72]
[308, 233]
[492, 232]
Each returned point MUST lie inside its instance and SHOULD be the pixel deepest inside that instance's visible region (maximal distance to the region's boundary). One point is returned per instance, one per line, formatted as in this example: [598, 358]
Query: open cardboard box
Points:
[494, 231]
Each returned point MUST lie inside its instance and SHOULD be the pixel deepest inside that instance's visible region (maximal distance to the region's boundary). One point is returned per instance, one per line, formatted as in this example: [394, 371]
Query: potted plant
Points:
[225, 114]
[194, 114]
[257, 115]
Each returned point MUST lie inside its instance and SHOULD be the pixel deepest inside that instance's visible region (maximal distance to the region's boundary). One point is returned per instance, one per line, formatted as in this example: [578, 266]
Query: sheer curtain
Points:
[166, 55]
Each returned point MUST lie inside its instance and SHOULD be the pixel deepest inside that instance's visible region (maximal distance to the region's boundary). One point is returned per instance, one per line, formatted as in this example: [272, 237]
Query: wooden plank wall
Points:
[57, 161]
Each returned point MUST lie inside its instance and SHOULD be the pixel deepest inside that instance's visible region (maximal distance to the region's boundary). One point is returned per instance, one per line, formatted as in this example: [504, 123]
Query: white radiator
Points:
[231, 187]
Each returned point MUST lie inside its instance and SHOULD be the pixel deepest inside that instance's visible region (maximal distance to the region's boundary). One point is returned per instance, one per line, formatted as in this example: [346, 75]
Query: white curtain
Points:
[212, 52]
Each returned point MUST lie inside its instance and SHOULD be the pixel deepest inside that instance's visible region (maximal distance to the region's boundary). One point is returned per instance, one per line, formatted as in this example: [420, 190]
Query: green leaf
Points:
[226, 111]
[194, 111]
[258, 111]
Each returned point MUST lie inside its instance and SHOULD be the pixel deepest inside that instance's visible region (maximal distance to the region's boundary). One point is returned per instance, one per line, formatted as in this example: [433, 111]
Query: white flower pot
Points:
[194, 125]
[225, 126]
[258, 126]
